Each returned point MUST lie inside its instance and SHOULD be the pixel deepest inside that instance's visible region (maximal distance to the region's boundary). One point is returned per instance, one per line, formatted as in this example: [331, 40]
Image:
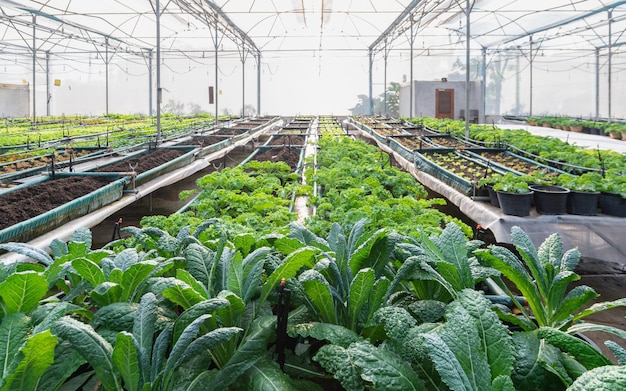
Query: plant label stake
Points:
[133, 174]
[71, 153]
[116, 229]
[52, 164]
[284, 295]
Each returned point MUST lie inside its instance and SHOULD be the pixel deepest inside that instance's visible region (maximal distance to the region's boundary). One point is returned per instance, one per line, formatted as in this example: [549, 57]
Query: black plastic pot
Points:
[493, 196]
[516, 204]
[550, 200]
[583, 203]
[612, 204]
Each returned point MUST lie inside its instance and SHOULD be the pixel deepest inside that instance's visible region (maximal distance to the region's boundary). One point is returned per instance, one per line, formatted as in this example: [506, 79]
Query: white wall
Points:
[14, 100]
[424, 97]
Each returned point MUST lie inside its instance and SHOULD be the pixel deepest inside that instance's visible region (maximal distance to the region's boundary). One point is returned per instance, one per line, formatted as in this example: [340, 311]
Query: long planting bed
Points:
[44, 204]
[355, 303]
[539, 161]
[34, 209]
[458, 171]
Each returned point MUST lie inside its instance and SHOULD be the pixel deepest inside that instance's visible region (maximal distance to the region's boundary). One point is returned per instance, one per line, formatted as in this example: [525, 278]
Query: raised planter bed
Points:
[21, 168]
[207, 144]
[406, 145]
[510, 161]
[447, 141]
[455, 170]
[236, 133]
[293, 156]
[287, 139]
[151, 164]
[31, 210]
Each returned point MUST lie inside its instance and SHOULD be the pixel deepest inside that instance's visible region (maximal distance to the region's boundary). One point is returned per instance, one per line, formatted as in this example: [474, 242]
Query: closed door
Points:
[444, 103]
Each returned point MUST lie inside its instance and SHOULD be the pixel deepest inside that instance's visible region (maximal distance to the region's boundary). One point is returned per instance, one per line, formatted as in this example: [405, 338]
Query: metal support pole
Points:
[385, 56]
[48, 95]
[243, 54]
[258, 83]
[216, 77]
[34, 73]
[467, 68]
[371, 104]
[150, 97]
[158, 71]
[106, 74]
[411, 74]
[530, 59]
[597, 83]
[518, 90]
[483, 71]
[610, 65]
[243, 88]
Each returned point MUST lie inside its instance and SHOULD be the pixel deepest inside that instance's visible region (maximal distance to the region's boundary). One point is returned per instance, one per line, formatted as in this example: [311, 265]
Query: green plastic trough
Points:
[10, 177]
[172, 165]
[423, 163]
[400, 148]
[475, 154]
[37, 226]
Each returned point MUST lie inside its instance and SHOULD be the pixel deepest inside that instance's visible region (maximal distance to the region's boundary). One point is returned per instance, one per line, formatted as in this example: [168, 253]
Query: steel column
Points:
[216, 76]
[530, 59]
[597, 83]
[467, 68]
[150, 97]
[371, 108]
[158, 71]
[106, 74]
[610, 58]
[411, 73]
[483, 71]
[34, 50]
[258, 83]
[48, 95]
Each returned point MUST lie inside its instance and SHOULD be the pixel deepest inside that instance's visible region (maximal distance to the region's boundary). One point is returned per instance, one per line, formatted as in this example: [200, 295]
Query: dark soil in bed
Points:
[230, 132]
[203, 141]
[290, 156]
[21, 205]
[146, 161]
[24, 204]
[288, 139]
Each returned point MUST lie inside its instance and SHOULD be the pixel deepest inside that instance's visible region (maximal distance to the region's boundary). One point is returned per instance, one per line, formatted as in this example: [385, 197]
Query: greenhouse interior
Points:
[312, 195]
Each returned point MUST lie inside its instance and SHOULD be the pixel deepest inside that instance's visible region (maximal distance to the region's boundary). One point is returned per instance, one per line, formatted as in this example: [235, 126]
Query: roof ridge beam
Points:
[561, 23]
[407, 11]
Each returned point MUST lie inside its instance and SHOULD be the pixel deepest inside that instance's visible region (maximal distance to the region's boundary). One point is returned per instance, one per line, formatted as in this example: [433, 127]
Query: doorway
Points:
[444, 103]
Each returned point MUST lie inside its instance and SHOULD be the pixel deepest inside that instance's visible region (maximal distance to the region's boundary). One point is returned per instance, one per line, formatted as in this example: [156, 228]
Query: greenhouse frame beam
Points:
[258, 83]
[393, 27]
[561, 23]
[226, 26]
[86, 32]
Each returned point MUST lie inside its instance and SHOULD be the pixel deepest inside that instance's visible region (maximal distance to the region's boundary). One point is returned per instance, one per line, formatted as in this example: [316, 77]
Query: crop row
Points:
[353, 307]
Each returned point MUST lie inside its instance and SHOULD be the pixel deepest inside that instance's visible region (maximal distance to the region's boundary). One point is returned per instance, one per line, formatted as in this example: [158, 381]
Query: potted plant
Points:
[532, 121]
[488, 182]
[576, 126]
[563, 124]
[612, 199]
[584, 192]
[514, 194]
[549, 199]
[614, 131]
[547, 122]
